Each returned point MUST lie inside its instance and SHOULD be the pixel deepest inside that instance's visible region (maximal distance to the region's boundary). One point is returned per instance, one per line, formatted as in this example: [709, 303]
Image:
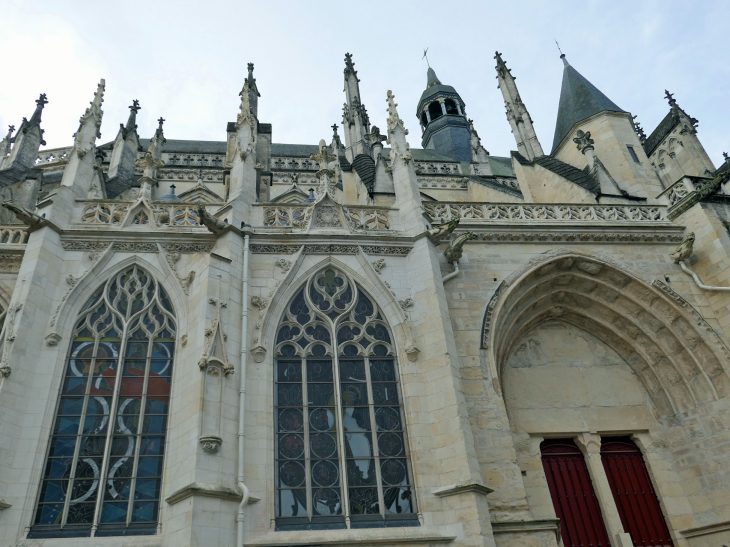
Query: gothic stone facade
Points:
[364, 343]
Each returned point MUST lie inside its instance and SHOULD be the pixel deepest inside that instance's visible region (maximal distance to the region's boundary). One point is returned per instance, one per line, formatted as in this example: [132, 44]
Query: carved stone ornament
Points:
[284, 264]
[261, 303]
[455, 249]
[439, 231]
[406, 303]
[327, 217]
[184, 340]
[412, 353]
[583, 141]
[684, 251]
[259, 352]
[10, 263]
[210, 444]
[53, 339]
[378, 265]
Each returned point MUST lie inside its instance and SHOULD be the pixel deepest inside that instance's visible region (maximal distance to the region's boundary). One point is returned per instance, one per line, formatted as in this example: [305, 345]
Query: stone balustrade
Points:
[13, 235]
[115, 213]
[46, 158]
[287, 216]
[367, 218]
[446, 211]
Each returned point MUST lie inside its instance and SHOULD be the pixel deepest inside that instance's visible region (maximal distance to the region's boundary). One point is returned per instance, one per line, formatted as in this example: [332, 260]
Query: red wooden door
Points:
[581, 522]
[635, 498]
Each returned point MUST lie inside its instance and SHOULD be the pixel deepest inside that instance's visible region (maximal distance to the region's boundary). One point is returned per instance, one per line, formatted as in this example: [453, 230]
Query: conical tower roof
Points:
[579, 99]
[433, 87]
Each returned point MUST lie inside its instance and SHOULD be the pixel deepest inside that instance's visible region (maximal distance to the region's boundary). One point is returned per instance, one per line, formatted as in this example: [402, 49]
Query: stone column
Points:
[590, 445]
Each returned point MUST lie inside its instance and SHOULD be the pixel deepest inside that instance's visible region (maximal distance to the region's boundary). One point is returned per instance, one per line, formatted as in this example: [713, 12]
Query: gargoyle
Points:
[684, 251]
[454, 250]
[439, 231]
[213, 224]
[26, 216]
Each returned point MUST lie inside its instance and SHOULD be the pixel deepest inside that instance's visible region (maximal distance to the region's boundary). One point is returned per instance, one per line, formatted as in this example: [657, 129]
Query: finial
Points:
[334, 129]
[583, 141]
[200, 175]
[99, 95]
[160, 120]
[349, 65]
[670, 97]
[172, 189]
[724, 155]
[11, 128]
[501, 67]
[250, 70]
[425, 56]
[135, 106]
[42, 100]
[562, 55]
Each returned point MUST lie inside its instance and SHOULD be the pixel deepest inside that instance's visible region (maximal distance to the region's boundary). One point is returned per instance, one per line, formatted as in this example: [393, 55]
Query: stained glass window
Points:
[341, 457]
[104, 463]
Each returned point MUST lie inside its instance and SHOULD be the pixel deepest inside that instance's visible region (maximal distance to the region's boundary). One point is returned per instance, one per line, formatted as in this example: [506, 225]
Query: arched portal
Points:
[680, 364]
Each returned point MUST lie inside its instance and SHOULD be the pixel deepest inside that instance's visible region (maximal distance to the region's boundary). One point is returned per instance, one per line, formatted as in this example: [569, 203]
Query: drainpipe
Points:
[452, 274]
[697, 279]
[242, 395]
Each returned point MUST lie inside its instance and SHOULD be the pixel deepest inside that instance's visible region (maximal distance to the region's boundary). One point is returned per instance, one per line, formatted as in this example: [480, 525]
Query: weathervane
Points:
[560, 50]
[425, 56]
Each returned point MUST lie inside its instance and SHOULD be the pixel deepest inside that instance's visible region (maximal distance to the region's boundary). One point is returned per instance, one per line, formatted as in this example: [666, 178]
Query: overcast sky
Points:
[186, 61]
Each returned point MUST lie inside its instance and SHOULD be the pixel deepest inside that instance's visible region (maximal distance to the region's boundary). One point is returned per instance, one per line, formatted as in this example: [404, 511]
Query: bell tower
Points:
[443, 120]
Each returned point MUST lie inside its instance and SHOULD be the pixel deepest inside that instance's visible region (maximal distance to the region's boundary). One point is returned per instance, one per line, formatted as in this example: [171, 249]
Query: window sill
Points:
[370, 536]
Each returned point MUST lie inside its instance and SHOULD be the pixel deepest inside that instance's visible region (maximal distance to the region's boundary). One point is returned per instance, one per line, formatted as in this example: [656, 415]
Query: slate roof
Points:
[364, 166]
[579, 99]
[433, 87]
[501, 167]
[570, 173]
[665, 127]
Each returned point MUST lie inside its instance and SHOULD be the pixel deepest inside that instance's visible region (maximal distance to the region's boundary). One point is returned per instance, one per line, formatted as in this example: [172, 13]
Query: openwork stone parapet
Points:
[330, 248]
[446, 211]
[135, 246]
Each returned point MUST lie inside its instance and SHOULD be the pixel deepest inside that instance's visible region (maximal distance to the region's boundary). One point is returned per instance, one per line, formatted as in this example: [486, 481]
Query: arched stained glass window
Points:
[341, 458]
[104, 463]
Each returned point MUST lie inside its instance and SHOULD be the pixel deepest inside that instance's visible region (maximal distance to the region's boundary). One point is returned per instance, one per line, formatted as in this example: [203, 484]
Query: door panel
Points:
[632, 490]
[575, 502]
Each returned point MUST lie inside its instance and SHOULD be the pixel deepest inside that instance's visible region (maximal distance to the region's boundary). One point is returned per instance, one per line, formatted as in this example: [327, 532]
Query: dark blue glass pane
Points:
[144, 511]
[319, 370]
[84, 490]
[158, 405]
[114, 512]
[67, 425]
[397, 500]
[149, 467]
[154, 424]
[49, 514]
[117, 488]
[62, 446]
[80, 513]
[152, 445]
[147, 489]
[73, 386]
[58, 468]
[92, 446]
[161, 367]
[288, 371]
[99, 405]
[53, 491]
[352, 371]
[163, 350]
[71, 405]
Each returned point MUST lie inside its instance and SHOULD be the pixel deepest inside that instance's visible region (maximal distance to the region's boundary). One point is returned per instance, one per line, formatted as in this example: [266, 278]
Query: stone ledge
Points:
[522, 526]
[706, 530]
[209, 490]
[362, 536]
[460, 488]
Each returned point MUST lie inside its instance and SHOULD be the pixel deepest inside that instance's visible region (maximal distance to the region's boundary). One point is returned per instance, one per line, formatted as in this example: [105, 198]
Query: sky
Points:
[186, 61]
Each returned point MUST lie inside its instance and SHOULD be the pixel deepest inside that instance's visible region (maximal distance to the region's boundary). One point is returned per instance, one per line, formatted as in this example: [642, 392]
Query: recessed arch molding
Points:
[680, 360]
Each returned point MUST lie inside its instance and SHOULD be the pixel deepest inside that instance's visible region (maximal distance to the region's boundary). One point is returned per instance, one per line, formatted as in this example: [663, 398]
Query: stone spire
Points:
[675, 109]
[431, 78]
[126, 146]
[253, 91]
[405, 183]
[517, 115]
[354, 114]
[579, 100]
[6, 144]
[242, 190]
[26, 143]
[151, 162]
[90, 123]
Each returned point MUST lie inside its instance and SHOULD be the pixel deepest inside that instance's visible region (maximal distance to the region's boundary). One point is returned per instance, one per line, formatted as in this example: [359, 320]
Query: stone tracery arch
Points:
[679, 364]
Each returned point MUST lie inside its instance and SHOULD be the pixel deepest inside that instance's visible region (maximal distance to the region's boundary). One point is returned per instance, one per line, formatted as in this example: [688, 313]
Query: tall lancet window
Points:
[104, 464]
[341, 458]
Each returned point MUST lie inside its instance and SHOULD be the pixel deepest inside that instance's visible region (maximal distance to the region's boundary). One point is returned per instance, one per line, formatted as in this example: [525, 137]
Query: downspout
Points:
[242, 395]
[452, 274]
[697, 279]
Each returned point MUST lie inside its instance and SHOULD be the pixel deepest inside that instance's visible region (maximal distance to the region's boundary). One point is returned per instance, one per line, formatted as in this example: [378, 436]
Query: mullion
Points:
[124, 342]
[336, 385]
[374, 433]
[307, 460]
[79, 433]
[138, 436]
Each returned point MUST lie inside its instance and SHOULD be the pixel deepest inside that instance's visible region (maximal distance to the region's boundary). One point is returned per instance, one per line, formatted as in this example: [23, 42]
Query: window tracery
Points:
[104, 463]
[341, 457]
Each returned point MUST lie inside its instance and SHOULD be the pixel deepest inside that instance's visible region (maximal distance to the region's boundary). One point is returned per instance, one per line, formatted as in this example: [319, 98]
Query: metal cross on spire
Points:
[560, 50]
[425, 56]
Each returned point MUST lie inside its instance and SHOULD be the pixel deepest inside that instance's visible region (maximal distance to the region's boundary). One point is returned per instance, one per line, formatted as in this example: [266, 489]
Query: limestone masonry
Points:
[360, 342]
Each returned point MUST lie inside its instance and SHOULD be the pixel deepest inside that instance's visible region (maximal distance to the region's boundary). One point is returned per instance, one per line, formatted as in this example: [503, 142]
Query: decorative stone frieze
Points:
[10, 263]
[575, 213]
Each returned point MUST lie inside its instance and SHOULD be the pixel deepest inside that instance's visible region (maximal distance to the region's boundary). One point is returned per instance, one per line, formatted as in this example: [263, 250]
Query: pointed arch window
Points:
[104, 465]
[341, 455]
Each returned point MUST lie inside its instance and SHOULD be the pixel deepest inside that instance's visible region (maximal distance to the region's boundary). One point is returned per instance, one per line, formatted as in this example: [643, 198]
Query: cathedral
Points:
[367, 341]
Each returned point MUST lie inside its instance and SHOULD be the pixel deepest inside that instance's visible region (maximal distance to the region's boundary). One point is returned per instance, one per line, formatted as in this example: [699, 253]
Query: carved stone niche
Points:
[212, 407]
[259, 352]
